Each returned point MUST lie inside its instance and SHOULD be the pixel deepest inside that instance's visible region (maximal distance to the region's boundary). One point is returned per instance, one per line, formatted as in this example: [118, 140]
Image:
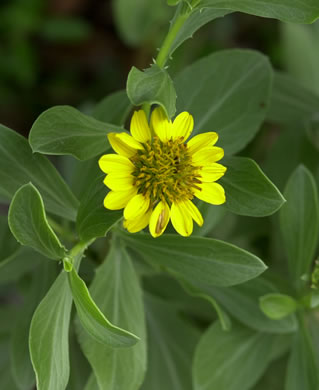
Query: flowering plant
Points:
[174, 306]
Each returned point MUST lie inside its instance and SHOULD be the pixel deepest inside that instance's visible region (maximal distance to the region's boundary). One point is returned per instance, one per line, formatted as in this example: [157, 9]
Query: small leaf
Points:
[64, 130]
[122, 302]
[277, 306]
[28, 223]
[227, 92]
[248, 190]
[93, 320]
[197, 259]
[173, 3]
[18, 166]
[49, 334]
[231, 360]
[299, 221]
[93, 219]
[153, 86]
[295, 11]
[113, 108]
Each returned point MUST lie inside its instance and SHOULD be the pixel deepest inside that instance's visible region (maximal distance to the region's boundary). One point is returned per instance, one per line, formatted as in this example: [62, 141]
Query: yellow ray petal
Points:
[201, 141]
[139, 127]
[137, 206]
[137, 224]
[118, 200]
[181, 219]
[159, 219]
[161, 125]
[212, 193]
[212, 172]
[124, 144]
[207, 156]
[115, 163]
[117, 182]
[194, 212]
[182, 126]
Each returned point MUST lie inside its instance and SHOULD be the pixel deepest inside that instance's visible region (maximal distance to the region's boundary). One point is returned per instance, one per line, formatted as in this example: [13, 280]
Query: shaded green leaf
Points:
[227, 92]
[299, 221]
[113, 108]
[122, 303]
[65, 130]
[303, 366]
[277, 306]
[212, 216]
[170, 360]
[65, 30]
[154, 86]
[231, 360]
[93, 219]
[290, 101]
[28, 223]
[198, 259]
[93, 320]
[18, 166]
[242, 302]
[248, 190]
[296, 11]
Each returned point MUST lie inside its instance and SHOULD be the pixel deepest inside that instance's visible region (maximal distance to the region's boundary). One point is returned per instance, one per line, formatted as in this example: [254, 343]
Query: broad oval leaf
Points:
[295, 11]
[227, 92]
[113, 108]
[28, 223]
[64, 130]
[299, 221]
[248, 190]
[153, 86]
[93, 320]
[198, 259]
[122, 303]
[18, 166]
[93, 219]
[48, 337]
[277, 306]
[231, 360]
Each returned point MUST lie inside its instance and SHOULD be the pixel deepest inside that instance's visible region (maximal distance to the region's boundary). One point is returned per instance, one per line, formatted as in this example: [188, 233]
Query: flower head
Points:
[155, 175]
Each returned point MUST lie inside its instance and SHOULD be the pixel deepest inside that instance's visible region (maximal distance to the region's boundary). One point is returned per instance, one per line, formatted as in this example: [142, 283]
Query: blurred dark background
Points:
[78, 51]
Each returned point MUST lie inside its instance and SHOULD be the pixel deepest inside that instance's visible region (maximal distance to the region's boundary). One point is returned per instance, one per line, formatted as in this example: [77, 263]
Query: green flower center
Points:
[164, 171]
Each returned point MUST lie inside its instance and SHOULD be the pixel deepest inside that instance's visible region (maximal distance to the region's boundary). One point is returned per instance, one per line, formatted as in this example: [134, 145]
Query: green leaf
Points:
[122, 302]
[300, 55]
[227, 92]
[6, 379]
[277, 306]
[291, 102]
[113, 108]
[48, 340]
[231, 360]
[299, 221]
[242, 302]
[20, 358]
[169, 362]
[18, 166]
[28, 223]
[295, 11]
[198, 18]
[153, 86]
[198, 259]
[93, 219]
[137, 22]
[93, 320]
[173, 3]
[65, 130]
[248, 190]
[212, 216]
[303, 367]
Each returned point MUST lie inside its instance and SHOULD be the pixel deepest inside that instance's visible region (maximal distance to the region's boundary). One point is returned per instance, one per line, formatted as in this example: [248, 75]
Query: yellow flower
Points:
[155, 175]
